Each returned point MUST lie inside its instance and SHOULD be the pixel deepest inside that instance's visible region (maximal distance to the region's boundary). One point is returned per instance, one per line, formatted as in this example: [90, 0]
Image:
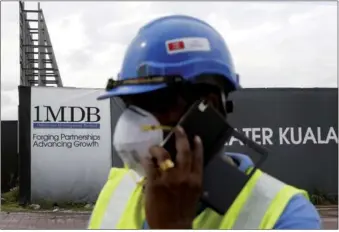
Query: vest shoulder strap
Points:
[258, 201]
[112, 199]
[265, 203]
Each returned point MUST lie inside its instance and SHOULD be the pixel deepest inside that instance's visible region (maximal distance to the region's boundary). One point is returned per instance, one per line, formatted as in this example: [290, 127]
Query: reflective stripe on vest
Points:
[118, 202]
[109, 197]
[258, 206]
[260, 199]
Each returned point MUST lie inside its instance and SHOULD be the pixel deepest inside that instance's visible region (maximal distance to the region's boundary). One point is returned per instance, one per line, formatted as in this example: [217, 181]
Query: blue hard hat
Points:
[174, 45]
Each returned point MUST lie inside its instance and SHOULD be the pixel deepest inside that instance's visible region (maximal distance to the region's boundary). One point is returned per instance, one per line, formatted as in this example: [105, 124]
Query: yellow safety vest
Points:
[258, 206]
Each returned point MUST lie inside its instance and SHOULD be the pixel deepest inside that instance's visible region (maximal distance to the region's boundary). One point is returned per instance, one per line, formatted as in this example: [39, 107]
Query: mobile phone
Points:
[202, 120]
[222, 182]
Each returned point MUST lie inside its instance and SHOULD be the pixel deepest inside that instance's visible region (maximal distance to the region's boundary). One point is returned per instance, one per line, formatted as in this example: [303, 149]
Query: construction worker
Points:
[172, 62]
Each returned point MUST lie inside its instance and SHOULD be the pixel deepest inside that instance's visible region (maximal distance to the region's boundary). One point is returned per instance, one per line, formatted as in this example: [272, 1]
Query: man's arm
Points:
[299, 213]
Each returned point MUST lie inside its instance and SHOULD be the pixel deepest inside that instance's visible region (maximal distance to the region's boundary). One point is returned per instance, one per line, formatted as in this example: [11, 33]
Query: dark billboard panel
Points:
[299, 126]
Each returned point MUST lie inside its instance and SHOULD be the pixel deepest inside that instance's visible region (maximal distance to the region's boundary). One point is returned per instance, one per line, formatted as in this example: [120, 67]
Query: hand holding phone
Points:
[171, 195]
[222, 182]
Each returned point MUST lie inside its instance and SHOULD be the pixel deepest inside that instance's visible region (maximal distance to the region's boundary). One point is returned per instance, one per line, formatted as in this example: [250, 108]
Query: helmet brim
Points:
[130, 90]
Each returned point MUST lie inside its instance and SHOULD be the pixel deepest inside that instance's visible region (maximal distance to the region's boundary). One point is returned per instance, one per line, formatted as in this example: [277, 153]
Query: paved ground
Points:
[64, 220]
[53, 220]
[329, 216]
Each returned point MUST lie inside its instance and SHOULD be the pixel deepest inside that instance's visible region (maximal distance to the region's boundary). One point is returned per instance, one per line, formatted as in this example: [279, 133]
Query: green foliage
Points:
[320, 198]
[11, 196]
[10, 203]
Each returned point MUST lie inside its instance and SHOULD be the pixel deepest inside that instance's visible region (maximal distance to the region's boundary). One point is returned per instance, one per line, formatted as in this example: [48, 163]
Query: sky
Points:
[273, 44]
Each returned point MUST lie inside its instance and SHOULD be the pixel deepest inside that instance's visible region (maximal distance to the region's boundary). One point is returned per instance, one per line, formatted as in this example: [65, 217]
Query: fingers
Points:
[162, 157]
[198, 156]
[187, 160]
[184, 154]
[150, 168]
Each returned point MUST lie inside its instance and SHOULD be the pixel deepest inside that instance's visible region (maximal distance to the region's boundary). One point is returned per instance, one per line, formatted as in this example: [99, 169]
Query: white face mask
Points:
[133, 137]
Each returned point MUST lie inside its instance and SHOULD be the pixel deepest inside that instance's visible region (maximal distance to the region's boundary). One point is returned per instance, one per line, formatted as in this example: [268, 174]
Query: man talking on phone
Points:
[170, 64]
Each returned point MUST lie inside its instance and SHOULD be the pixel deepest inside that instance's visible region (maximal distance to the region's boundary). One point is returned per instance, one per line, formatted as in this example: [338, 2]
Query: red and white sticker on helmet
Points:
[189, 44]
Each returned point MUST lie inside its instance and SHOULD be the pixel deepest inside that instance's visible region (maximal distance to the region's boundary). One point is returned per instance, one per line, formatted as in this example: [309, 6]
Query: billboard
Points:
[70, 143]
[65, 139]
[298, 126]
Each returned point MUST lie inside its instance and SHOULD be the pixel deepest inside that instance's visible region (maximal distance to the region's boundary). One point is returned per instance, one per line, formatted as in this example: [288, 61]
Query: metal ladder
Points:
[38, 65]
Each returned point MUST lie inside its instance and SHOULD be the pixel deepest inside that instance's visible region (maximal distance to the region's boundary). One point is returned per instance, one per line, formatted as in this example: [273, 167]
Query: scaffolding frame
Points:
[38, 65]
